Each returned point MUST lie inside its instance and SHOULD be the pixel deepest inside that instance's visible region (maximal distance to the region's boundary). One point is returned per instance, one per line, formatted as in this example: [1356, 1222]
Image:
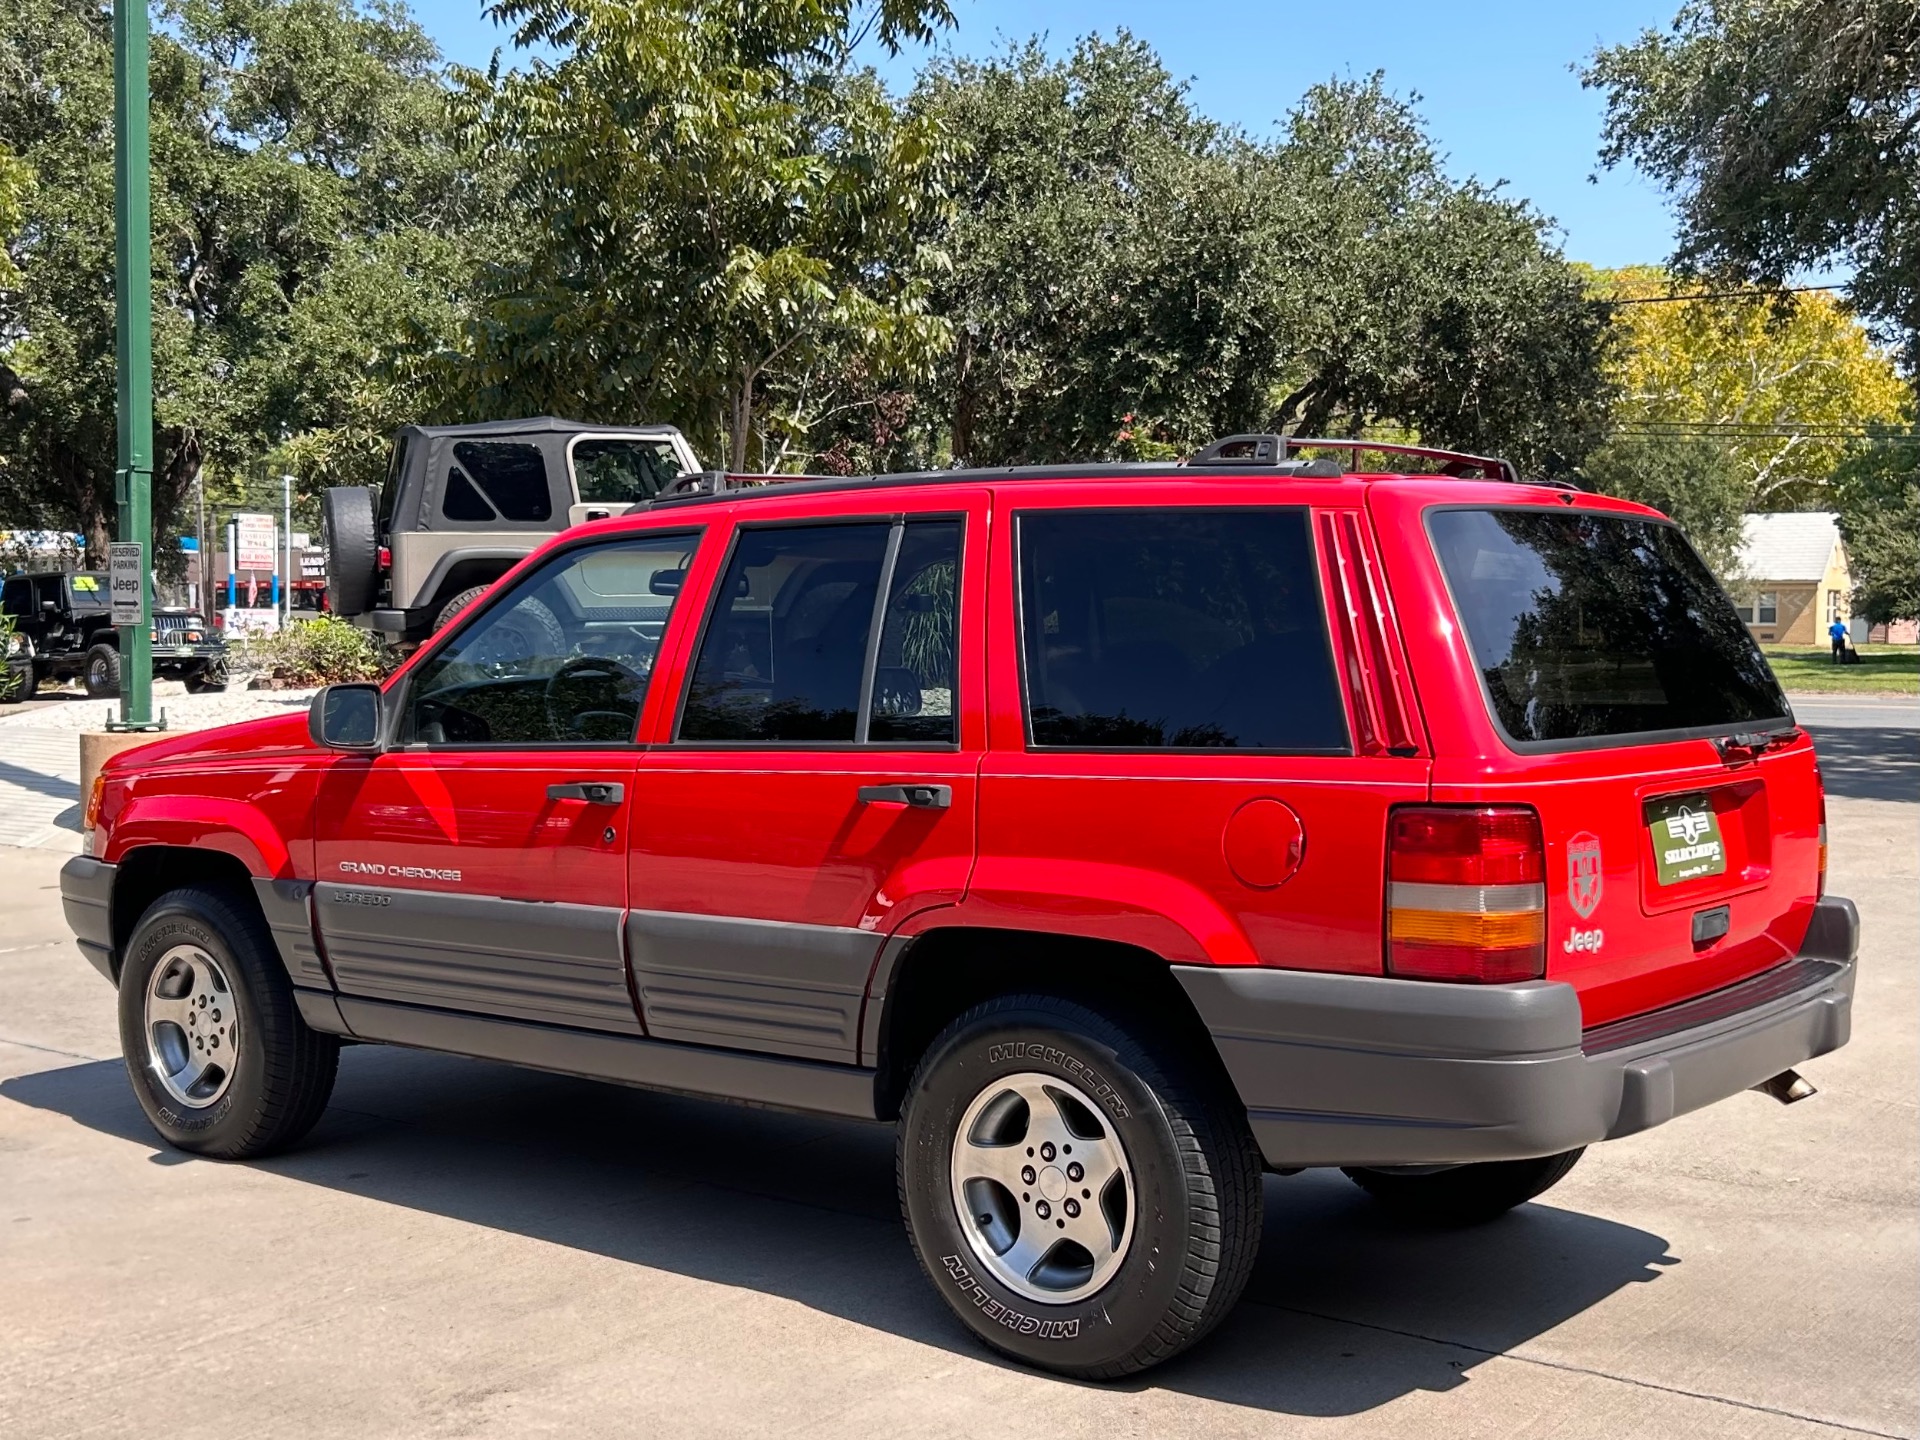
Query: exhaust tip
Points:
[1787, 1087]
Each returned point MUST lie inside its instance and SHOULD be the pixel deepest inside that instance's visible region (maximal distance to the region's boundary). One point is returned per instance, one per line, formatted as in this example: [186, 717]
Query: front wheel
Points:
[208, 679]
[219, 1057]
[1083, 1204]
[103, 672]
[1465, 1194]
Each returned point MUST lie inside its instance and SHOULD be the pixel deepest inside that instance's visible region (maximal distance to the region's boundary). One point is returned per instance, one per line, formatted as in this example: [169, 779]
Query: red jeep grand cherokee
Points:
[1120, 831]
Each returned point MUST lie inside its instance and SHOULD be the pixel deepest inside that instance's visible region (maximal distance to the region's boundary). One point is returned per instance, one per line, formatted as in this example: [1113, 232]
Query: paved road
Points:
[463, 1249]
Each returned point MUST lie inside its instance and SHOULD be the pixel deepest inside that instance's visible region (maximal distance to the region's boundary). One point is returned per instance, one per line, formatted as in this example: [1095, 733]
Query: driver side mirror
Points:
[346, 717]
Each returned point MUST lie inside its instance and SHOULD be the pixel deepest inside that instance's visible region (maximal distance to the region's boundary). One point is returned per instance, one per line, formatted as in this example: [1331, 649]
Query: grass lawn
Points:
[1884, 670]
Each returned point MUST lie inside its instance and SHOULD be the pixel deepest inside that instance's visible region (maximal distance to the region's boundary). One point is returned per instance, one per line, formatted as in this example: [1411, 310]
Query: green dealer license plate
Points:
[1686, 838]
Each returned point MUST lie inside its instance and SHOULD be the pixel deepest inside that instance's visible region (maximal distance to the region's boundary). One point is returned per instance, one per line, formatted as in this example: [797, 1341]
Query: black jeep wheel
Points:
[219, 1057]
[103, 672]
[1082, 1203]
[1465, 1194]
[209, 678]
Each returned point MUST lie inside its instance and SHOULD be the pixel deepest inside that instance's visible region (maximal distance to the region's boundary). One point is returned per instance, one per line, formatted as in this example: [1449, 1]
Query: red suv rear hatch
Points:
[1604, 679]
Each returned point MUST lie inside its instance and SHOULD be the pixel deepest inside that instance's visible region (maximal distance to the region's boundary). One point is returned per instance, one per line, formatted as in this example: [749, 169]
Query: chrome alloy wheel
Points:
[1043, 1188]
[192, 1027]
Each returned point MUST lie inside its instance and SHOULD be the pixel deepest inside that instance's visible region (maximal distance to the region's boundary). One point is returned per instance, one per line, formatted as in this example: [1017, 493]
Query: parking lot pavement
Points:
[40, 753]
[464, 1249]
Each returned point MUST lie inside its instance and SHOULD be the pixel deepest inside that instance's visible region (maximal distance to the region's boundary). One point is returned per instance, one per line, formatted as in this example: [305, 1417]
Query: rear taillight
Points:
[1466, 894]
[1820, 784]
[385, 557]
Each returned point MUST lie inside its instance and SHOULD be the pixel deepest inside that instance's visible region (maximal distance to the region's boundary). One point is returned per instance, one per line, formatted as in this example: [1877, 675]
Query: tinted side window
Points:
[786, 644]
[564, 658]
[622, 472]
[501, 479]
[1187, 629]
[915, 677]
[16, 598]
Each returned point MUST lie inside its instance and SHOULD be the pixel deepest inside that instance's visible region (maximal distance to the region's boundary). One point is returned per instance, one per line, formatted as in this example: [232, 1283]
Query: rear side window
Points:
[622, 472]
[1587, 627]
[497, 479]
[1176, 630]
[790, 650]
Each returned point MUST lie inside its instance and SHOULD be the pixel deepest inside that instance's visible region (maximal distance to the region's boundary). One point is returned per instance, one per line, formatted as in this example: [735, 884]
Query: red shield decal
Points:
[1583, 873]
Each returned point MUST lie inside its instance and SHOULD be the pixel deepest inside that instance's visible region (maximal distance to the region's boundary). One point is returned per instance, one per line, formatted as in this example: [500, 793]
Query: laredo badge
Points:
[1583, 873]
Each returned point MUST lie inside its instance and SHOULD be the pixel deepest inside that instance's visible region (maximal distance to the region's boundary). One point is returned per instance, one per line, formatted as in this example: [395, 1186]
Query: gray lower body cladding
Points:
[86, 896]
[561, 964]
[1362, 1070]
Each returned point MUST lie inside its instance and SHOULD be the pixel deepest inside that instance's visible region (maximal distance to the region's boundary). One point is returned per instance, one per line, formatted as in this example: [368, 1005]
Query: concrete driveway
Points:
[463, 1249]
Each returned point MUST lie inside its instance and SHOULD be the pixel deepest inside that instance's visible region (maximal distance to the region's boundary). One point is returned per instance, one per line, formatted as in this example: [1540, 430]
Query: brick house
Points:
[1793, 579]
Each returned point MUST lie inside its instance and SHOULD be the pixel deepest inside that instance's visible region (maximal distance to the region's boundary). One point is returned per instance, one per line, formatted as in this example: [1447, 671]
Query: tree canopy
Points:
[1784, 386]
[726, 208]
[1122, 264]
[308, 212]
[1790, 132]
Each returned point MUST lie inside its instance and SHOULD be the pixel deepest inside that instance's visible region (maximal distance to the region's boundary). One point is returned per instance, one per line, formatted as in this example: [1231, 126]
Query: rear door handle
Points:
[919, 797]
[594, 792]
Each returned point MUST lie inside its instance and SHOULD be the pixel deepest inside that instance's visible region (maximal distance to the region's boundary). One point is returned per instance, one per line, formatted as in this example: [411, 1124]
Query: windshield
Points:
[1589, 626]
[87, 592]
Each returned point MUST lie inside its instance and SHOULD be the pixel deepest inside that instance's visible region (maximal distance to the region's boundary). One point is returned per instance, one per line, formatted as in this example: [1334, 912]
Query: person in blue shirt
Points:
[1837, 632]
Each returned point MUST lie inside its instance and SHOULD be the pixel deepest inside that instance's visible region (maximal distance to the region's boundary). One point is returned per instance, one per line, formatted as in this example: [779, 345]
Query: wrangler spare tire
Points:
[353, 555]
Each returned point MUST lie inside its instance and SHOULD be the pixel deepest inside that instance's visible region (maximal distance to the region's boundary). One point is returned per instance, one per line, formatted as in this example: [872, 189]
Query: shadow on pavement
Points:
[1868, 762]
[805, 1209]
[51, 786]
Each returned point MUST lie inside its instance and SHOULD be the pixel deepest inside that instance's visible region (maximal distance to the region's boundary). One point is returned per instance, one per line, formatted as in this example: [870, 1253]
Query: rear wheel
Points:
[1465, 1194]
[103, 672]
[1082, 1203]
[219, 1057]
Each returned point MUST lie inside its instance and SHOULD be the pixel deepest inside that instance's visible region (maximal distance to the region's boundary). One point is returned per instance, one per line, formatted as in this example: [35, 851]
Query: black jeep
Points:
[65, 620]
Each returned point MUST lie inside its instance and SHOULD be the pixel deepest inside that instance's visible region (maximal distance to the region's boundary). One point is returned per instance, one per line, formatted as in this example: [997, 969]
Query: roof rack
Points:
[1272, 450]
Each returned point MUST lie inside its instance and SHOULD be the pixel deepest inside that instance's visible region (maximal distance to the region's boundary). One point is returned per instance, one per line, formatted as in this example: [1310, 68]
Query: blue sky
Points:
[1495, 79]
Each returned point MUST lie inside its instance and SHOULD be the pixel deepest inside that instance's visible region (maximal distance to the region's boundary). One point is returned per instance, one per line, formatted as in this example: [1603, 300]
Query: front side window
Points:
[1589, 626]
[1176, 630]
[563, 659]
[791, 655]
[497, 480]
[622, 471]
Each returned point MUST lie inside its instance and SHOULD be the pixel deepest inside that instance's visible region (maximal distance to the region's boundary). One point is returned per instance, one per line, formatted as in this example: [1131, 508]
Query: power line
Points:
[1727, 294]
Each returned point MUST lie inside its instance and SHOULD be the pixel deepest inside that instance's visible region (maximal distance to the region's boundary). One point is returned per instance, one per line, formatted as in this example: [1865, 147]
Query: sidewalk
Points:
[40, 796]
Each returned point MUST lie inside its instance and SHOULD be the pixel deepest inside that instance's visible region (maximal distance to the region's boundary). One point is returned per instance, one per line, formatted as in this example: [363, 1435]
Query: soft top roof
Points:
[533, 425]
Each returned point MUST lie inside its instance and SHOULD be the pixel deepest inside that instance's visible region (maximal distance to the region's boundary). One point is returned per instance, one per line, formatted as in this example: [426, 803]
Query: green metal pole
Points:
[133, 344]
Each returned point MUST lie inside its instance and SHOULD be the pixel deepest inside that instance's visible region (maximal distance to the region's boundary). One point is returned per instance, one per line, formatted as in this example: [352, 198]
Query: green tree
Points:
[1688, 478]
[1129, 278]
[1878, 487]
[301, 168]
[724, 207]
[1790, 132]
[1778, 385]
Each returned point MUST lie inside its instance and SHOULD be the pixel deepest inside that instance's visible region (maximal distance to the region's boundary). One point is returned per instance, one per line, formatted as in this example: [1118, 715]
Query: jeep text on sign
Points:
[126, 559]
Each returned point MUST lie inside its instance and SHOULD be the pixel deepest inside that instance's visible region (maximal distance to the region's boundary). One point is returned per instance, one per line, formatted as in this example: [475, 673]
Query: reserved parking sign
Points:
[126, 563]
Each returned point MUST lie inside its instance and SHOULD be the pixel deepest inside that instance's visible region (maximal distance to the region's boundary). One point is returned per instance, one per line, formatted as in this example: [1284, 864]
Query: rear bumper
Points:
[86, 895]
[1363, 1070]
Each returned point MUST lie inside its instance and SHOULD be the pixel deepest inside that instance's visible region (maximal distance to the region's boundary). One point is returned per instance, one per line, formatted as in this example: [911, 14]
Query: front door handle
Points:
[594, 792]
[598, 514]
[919, 797]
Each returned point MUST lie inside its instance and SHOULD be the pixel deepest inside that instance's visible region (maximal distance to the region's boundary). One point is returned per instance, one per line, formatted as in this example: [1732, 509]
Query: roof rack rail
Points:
[1273, 450]
[704, 484]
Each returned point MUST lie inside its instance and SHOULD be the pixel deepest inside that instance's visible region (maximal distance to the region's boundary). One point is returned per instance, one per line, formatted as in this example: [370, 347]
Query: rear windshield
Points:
[1589, 626]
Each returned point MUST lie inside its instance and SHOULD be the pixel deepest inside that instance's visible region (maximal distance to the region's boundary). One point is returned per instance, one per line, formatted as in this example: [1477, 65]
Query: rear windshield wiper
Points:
[1752, 744]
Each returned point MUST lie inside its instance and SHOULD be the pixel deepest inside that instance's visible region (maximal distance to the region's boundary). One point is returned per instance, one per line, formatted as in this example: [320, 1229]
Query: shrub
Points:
[326, 651]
